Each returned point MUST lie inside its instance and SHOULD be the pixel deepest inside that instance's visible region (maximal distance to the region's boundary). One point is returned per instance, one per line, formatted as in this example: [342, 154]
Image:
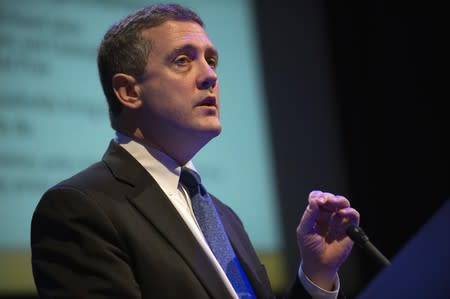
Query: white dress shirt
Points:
[166, 173]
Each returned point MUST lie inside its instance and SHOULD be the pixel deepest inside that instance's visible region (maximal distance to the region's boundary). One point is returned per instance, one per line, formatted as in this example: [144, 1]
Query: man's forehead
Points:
[178, 33]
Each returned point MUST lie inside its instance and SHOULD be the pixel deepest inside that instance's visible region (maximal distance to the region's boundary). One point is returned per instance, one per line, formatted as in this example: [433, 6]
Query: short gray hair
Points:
[124, 49]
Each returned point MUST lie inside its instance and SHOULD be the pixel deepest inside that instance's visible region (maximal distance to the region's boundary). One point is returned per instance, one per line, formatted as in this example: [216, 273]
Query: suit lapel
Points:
[249, 262]
[150, 200]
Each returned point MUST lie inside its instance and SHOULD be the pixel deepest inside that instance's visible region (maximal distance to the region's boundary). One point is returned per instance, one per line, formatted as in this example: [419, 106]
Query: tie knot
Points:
[191, 180]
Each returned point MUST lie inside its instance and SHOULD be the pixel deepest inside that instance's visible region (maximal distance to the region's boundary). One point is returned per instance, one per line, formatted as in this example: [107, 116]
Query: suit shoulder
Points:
[96, 175]
[95, 179]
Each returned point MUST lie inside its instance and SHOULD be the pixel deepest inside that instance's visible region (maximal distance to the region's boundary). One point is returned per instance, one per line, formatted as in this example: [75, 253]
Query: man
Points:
[126, 226]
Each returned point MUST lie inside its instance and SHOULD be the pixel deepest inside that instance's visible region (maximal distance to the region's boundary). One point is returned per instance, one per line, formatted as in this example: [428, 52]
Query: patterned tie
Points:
[212, 228]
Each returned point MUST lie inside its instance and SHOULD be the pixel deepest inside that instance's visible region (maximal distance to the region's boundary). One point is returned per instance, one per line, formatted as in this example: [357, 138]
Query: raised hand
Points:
[321, 236]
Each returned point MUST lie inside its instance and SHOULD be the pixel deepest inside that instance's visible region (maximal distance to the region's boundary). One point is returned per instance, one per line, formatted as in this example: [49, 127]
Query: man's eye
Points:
[182, 60]
[212, 62]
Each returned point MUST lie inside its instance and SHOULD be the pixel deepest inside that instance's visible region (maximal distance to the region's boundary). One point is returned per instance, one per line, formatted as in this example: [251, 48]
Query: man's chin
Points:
[214, 132]
[211, 132]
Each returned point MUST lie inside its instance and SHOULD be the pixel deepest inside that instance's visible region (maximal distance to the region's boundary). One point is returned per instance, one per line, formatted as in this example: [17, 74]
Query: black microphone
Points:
[359, 237]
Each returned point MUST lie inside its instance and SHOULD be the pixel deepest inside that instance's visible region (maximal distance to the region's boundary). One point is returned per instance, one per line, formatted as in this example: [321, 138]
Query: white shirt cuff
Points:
[314, 290]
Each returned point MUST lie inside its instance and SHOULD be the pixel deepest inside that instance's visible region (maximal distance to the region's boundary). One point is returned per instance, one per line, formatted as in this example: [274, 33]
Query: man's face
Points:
[179, 88]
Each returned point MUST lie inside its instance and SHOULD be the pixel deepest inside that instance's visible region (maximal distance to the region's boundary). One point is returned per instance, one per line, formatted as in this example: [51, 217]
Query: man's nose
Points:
[207, 78]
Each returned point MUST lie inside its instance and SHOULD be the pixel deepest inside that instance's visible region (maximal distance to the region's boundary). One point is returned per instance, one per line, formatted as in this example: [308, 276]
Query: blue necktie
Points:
[212, 228]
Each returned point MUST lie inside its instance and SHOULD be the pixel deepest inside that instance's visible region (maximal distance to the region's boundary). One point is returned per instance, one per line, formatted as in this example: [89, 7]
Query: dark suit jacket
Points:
[110, 232]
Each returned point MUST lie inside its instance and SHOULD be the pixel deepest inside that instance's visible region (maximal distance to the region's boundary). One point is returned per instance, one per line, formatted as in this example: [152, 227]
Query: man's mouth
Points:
[208, 101]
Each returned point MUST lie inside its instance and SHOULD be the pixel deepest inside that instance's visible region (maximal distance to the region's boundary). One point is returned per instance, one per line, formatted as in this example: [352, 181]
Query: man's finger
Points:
[351, 215]
[333, 203]
[311, 213]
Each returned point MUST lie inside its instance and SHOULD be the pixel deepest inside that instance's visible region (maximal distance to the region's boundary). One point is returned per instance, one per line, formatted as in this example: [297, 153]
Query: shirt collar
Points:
[161, 167]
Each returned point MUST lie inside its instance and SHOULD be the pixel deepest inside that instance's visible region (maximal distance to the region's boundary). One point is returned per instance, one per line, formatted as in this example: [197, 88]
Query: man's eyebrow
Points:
[191, 49]
[211, 51]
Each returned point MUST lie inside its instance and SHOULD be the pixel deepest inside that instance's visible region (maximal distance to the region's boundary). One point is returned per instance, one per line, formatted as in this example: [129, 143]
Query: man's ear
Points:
[125, 88]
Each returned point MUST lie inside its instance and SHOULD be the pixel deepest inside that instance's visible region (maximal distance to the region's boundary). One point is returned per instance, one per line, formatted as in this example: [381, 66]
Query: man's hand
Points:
[321, 236]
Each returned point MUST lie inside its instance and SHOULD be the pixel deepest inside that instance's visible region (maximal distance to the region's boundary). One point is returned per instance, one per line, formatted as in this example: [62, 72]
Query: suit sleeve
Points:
[76, 250]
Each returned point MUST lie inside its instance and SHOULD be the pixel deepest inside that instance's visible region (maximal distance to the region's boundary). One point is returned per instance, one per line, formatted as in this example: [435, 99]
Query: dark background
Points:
[358, 95]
